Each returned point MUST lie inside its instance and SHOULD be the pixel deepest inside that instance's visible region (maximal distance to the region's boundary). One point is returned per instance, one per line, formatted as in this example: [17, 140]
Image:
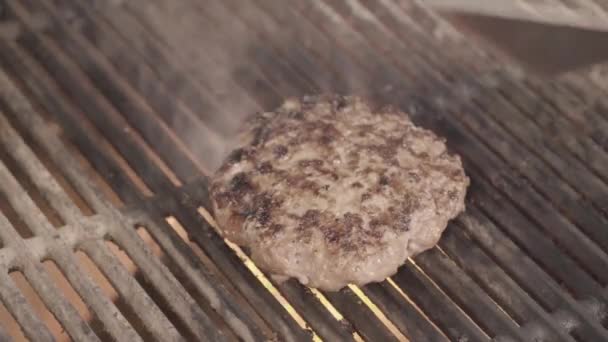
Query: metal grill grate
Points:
[112, 114]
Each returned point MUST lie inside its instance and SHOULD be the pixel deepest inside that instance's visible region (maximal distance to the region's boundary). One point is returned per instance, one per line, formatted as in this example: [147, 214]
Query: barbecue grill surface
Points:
[113, 114]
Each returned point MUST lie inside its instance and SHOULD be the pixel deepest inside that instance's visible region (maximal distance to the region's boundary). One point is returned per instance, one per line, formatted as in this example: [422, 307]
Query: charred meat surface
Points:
[330, 192]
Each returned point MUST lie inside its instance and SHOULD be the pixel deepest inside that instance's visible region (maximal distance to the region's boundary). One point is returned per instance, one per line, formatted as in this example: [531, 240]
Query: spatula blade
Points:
[541, 46]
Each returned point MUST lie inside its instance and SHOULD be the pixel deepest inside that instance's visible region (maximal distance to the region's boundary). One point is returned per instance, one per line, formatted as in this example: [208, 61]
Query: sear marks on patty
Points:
[329, 191]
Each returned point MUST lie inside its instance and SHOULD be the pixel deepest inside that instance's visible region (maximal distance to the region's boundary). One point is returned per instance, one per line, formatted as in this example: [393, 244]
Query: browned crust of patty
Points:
[294, 126]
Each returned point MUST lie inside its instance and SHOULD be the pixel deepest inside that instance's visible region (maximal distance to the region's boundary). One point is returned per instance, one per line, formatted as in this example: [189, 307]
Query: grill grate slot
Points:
[70, 294]
[316, 314]
[15, 302]
[31, 291]
[403, 312]
[43, 161]
[11, 216]
[11, 165]
[466, 294]
[427, 296]
[132, 107]
[133, 324]
[532, 279]
[583, 146]
[497, 284]
[225, 289]
[9, 325]
[366, 323]
[566, 201]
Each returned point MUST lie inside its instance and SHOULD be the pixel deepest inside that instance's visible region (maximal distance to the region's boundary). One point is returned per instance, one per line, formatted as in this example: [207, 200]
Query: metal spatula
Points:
[546, 40]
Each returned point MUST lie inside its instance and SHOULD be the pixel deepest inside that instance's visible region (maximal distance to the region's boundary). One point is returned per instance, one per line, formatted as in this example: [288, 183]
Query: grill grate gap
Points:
[110, 292]
[156, 249]
[497, 222]
[66, 288]
[15, 219]
[547, 198]
[407, 298]
[205, 260]
[578, 178]
[23, 313]
[149, 288]
[460, 290]
[378, 313]
[542, 119]
[134, 114]
[43, 89]
[181, 232]
[135, 133]
[537, 282]
[334, 311]
[490, 254]
[183, 279]
[500, 304]
[119, 159]
[51, 167]
[156, 130]
[10, 325]
[570, 116]
[569, 105]
[326, 303]
[585, 226]
[37, 197]
[39, 307]
[75, 300]
[84, 120]
[509, 187]
[166, 288]
[427, 295]
[91, 173]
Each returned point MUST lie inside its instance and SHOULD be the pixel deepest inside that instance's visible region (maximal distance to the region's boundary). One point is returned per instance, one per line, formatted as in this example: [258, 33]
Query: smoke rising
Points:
[238, 71]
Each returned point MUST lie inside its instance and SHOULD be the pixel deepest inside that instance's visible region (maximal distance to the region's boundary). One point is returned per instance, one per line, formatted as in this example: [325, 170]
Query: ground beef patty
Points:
[331, 193]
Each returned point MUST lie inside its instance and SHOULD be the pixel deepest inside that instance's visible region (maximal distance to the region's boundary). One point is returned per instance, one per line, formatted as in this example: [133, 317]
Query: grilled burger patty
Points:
[331, 193]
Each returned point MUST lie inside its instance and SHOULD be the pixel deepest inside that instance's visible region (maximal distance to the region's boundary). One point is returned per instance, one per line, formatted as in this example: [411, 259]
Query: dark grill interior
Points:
[113, 113]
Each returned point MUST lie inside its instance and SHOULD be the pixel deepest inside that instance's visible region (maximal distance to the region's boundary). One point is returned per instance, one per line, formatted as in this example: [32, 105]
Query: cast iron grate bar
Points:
[110, 179]
[95, 250]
